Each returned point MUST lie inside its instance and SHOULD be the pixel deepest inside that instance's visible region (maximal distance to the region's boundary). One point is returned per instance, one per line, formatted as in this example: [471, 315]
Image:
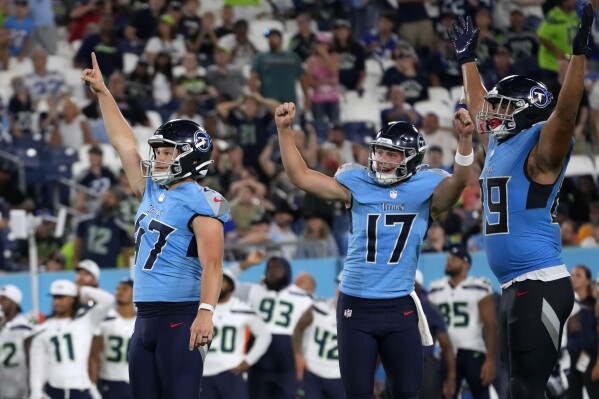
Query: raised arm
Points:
[300, 175]
[450, 189]
[556, 135]
[464, 38]
[119, 132]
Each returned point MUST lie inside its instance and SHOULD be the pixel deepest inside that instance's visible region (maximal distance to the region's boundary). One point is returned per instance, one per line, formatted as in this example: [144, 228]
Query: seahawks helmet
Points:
[398, 136]
[514, 104]
[192, 155]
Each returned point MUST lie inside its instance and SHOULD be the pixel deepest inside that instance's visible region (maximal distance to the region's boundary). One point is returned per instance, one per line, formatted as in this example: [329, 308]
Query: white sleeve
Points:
[37, 367]
[103, 302]
[262, 340]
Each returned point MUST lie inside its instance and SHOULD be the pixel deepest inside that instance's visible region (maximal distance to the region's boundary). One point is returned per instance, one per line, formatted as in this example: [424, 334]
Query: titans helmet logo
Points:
[540, 96]
[202, 140]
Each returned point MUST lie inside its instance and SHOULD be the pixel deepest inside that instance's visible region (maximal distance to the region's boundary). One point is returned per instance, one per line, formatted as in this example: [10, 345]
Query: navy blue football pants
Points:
[161, 365]
[369, 328]
[532, 314]
[114, 389]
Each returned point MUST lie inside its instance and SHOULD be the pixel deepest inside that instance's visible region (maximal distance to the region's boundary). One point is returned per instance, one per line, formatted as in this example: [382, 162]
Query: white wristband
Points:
[206, 306]
[464, 160]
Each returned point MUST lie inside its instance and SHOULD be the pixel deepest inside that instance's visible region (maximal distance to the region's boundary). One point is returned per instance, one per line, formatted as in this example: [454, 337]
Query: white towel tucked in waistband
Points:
[425, 334]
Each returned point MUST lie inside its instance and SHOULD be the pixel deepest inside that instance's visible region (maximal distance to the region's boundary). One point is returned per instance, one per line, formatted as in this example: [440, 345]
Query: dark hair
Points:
[589, 275]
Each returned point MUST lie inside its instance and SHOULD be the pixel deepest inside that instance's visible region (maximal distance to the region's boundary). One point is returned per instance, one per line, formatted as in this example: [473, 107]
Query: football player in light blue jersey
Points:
[179, 244]
[391, 202]
[528, 141]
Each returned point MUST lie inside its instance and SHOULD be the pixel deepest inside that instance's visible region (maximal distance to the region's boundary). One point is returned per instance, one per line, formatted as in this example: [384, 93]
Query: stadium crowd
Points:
[351, 66]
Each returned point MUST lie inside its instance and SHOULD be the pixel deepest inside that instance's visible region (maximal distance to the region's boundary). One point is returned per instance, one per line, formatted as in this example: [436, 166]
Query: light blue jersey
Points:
[388, 226]
[519, 232]
[167, 268]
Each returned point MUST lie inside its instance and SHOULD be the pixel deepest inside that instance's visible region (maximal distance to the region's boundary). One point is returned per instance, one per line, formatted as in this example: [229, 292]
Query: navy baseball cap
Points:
[461, 253]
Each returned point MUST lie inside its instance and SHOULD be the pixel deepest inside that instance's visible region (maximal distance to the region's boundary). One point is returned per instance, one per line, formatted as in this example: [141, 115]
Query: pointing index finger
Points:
[95, 65]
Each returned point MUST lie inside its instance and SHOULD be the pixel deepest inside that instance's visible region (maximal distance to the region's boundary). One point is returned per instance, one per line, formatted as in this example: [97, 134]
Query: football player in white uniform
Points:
[468, 308]
[316, 353]
[280, 304]
[112, 345]
[13, 364]
[226, 359]
[60, 352]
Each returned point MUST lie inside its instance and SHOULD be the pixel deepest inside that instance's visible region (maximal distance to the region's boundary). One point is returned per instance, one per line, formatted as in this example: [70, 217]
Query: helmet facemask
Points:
[174, 170]
[497, 115]
[387, 173]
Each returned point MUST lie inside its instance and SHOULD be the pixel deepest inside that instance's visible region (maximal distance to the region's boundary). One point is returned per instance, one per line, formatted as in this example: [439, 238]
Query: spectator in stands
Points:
[434, 158]
[188, 110]
[276, 72]
[471, 196]
[20, 110]
[85, 13]
[42, 83]
[583, 338]
[280, 228]
[144, 22]
[207, 39]
[436, 239]
[163, 84]
[20, 26]
[352, 57]
[338, 147]
[316, 241]
[443, 69]
[501, 67]
[107, 47]
[415, 26]
[190, 24]
[364, 16]
[584, 230]
[72, 128]
[407, 73]
[303, 42]
[227, 21]
[245, 207]
[555, 36]
[381, 41]
[399, 111]
[128, 202]
[139, 84]
[225, 80]
[44, 27]
[103, 236]
[434, 134]
[322, 74]
[129, 107]
[98, 178]
[167, 40]
[487, 42]
[522, 43]
[568, 234]
[251, 117]
[242, 49]
[192, 83]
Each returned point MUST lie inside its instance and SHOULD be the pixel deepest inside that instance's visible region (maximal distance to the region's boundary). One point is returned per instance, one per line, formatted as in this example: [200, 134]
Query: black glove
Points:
[464, 37]
[580, 44]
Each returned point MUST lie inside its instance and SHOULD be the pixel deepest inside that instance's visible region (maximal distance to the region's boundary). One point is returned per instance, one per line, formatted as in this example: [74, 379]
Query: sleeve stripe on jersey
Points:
[299, 294]
[195, 215]
[432, 290]
[243, 311]
[475, 287]
[316, 309]
[108, 318]
[21, 327]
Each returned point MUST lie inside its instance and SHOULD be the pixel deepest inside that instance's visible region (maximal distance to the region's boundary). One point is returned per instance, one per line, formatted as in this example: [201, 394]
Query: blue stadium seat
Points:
[58, 162]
